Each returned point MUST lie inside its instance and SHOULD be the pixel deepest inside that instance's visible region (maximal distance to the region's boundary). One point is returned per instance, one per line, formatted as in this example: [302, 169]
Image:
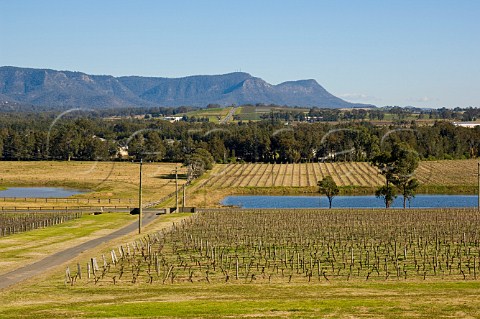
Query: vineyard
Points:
[284, 246]
[448, 173]
[295, 175]
[362, 174]
[16, 222]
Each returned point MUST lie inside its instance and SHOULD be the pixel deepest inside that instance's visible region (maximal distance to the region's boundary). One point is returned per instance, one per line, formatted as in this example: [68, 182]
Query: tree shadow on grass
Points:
[172, 176]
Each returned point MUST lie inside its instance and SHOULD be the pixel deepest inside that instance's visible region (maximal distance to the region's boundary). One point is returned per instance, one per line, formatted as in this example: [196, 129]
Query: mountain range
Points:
[61, 89]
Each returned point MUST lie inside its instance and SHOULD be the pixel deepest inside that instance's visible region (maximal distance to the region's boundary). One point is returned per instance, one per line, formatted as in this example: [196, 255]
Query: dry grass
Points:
[102, 180]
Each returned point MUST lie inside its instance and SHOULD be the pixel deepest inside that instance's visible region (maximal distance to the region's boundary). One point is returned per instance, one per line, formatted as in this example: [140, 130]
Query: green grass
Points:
[249, 113]
[448, 189]
[19, 249]
[212, 114]
[51, 299]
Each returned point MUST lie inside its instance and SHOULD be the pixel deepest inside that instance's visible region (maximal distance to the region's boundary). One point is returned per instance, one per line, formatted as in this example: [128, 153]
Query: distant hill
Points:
[44, 87]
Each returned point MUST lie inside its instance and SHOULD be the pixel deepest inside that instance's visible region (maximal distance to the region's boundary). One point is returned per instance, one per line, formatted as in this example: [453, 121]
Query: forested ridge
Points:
[84, 136]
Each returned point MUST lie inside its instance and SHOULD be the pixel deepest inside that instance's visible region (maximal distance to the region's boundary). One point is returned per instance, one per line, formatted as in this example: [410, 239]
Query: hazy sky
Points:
[423, 53]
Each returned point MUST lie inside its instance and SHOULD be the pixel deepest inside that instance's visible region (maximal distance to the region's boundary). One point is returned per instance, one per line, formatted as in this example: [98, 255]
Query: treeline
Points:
[80, 136]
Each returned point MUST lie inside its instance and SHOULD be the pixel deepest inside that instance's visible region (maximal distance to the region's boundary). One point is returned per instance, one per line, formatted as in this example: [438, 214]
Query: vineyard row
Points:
[300, 246]
[12, 223]
[344, 174]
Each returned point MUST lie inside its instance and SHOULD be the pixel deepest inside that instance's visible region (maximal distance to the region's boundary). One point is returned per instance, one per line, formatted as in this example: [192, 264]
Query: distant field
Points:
[214, 115]
[255, 113]
[102, 180]
[358, 174]
[242, 113]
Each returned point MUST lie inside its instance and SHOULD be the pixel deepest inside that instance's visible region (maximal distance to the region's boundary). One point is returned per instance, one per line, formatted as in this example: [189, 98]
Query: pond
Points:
[39, 192]
[420, 201]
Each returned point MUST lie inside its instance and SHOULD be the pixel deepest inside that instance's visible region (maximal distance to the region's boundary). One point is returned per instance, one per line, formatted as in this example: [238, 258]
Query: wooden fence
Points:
[64, 208]
[68, 200]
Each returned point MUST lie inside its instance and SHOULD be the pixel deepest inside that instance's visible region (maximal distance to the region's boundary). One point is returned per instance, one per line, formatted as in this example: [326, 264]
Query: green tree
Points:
[387, 192]
[408, 190]
[95, 148]
[13, 146]
[154, 149]
[328, 187]
[398, 167]
[66, 142]
[406, 162]
[198, 162]
[136, 146]
[217, 149]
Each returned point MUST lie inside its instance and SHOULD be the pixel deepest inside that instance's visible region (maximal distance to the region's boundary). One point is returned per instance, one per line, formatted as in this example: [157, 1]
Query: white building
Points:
[466, 124]
[173, 118]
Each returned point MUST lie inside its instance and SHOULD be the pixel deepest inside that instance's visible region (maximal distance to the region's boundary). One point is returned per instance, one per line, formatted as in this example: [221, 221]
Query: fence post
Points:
[79, 271]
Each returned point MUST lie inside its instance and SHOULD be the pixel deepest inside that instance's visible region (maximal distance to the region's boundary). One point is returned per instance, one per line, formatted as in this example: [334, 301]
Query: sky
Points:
[409, 53]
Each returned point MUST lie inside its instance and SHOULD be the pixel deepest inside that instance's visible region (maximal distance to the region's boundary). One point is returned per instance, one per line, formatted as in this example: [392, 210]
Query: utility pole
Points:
[176, 189]
[273, 180]
[204, 197]
[140, 200]
[184, 196]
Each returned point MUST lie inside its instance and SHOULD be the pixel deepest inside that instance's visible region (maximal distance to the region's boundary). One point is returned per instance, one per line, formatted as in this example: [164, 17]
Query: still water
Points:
[39, 192]
[420, 201]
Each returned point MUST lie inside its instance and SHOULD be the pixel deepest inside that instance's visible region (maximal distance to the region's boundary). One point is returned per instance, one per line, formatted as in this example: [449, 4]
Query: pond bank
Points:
[350, 190]
[362, 201]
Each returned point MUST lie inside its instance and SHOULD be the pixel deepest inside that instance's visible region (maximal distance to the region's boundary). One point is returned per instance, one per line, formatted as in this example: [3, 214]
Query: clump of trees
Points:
[398, 166]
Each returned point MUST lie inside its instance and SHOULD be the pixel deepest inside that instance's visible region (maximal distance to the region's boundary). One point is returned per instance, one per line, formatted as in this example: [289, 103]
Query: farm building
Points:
[466, 124]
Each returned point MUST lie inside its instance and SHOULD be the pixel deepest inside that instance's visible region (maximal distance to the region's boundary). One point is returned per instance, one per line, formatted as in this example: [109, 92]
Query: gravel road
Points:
[29, 271]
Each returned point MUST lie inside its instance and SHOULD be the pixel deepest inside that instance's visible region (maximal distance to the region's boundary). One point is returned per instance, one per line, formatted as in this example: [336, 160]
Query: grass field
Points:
[214, 115]
[338, 300]
[101, 180]
[243, 113]
[257, 113]
[433, 297]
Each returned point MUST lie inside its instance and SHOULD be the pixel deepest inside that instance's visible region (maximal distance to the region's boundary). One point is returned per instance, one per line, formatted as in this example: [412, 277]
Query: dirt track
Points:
[18, 275]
